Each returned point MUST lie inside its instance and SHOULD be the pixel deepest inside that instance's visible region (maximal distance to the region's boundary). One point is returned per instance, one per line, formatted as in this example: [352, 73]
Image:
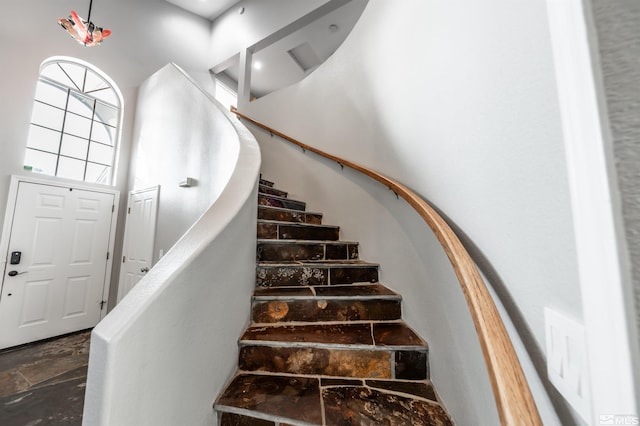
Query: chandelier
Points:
[84, 32]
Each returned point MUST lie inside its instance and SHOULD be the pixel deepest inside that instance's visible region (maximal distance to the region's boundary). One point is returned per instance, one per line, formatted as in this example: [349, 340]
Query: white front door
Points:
[139, 237]
[57, 262]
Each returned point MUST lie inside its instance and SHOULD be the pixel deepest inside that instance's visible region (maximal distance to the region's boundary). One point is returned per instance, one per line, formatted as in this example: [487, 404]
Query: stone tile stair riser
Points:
[331, 346]
[289, 250]
[264, 189]
[265, 182]
[232, 419]
[289, 231]
[275, 201]
[296, 275]
[288, 215]
[323, 309]
[356, 291]
[335, 362]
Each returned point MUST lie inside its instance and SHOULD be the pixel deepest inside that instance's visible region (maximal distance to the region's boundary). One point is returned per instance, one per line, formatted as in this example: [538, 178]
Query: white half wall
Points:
[167, 349]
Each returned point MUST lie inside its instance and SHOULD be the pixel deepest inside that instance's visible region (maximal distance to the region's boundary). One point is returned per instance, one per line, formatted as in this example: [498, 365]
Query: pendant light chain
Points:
[89, 14]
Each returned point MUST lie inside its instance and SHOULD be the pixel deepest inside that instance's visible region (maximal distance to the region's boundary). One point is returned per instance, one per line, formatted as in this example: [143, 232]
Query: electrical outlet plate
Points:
[567, 365]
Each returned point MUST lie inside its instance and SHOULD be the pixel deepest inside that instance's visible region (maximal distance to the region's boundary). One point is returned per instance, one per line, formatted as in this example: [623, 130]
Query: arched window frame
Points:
[76, 122]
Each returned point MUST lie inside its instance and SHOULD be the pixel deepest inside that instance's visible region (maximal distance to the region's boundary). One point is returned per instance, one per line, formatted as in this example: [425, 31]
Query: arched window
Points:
[75, 122]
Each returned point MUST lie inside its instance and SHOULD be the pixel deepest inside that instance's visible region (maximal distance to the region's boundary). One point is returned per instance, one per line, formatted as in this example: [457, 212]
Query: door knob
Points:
[14, 273]
[145, 270]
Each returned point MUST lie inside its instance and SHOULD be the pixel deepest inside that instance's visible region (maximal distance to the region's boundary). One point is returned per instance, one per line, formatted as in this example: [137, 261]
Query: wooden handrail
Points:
[514, 400]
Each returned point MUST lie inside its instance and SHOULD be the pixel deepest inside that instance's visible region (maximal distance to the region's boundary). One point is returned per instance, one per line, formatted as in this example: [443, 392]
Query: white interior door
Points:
[139, 237]
[55, 285]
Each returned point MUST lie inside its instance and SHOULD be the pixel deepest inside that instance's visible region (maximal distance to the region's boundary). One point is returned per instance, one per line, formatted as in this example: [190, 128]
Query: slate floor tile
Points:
[43, 383]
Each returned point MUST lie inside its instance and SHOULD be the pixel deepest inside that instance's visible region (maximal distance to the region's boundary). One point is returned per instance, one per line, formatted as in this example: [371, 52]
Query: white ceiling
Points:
[312, 45]
[209, 9]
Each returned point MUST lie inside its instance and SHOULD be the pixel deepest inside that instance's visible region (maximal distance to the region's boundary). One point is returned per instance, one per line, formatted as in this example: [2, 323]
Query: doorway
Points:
[139, 238]
[57, 243]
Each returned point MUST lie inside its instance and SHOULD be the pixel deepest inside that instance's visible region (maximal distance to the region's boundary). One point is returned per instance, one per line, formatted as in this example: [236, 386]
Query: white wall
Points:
[167, 349]
[233, 32]
[458, 101]
[147, 34]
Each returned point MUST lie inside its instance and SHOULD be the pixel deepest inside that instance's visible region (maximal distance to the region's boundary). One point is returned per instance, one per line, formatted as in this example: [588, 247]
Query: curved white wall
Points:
[178, 135]
[458, 101]
[163, 354]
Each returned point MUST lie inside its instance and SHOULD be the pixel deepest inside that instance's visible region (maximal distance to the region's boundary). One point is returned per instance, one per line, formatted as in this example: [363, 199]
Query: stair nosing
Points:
[392, 296]
[301, 224]
[318, 345]
[322, 345]
[294, 323]
[273, 195]
[289, 210]
[314, 297]
[318, 263]
[294, 240]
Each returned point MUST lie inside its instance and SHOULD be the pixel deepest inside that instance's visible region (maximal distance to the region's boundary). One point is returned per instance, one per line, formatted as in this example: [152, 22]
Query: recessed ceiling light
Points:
[257, 65]
[333, 28]
[241, 10]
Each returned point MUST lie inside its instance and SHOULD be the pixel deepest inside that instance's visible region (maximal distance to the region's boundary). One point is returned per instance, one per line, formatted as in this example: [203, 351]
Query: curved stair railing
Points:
[513, 397]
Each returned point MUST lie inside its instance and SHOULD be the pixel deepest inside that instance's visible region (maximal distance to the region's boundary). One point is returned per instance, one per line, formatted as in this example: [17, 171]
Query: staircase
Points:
[326, 345]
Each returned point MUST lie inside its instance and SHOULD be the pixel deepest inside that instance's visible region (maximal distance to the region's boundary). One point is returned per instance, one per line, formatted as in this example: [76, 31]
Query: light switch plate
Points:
[567, 365]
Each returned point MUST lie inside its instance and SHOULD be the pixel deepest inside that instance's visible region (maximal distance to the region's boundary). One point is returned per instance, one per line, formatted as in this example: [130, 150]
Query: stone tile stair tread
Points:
[371, 335]
[346, 291]
[295, 224]
[302, 400]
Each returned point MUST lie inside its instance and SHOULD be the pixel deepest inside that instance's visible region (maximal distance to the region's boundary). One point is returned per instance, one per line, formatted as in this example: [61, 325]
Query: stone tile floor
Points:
[43, 383]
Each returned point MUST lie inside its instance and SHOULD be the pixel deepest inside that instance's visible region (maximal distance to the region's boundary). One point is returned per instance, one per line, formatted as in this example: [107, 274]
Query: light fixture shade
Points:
[84, 32]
